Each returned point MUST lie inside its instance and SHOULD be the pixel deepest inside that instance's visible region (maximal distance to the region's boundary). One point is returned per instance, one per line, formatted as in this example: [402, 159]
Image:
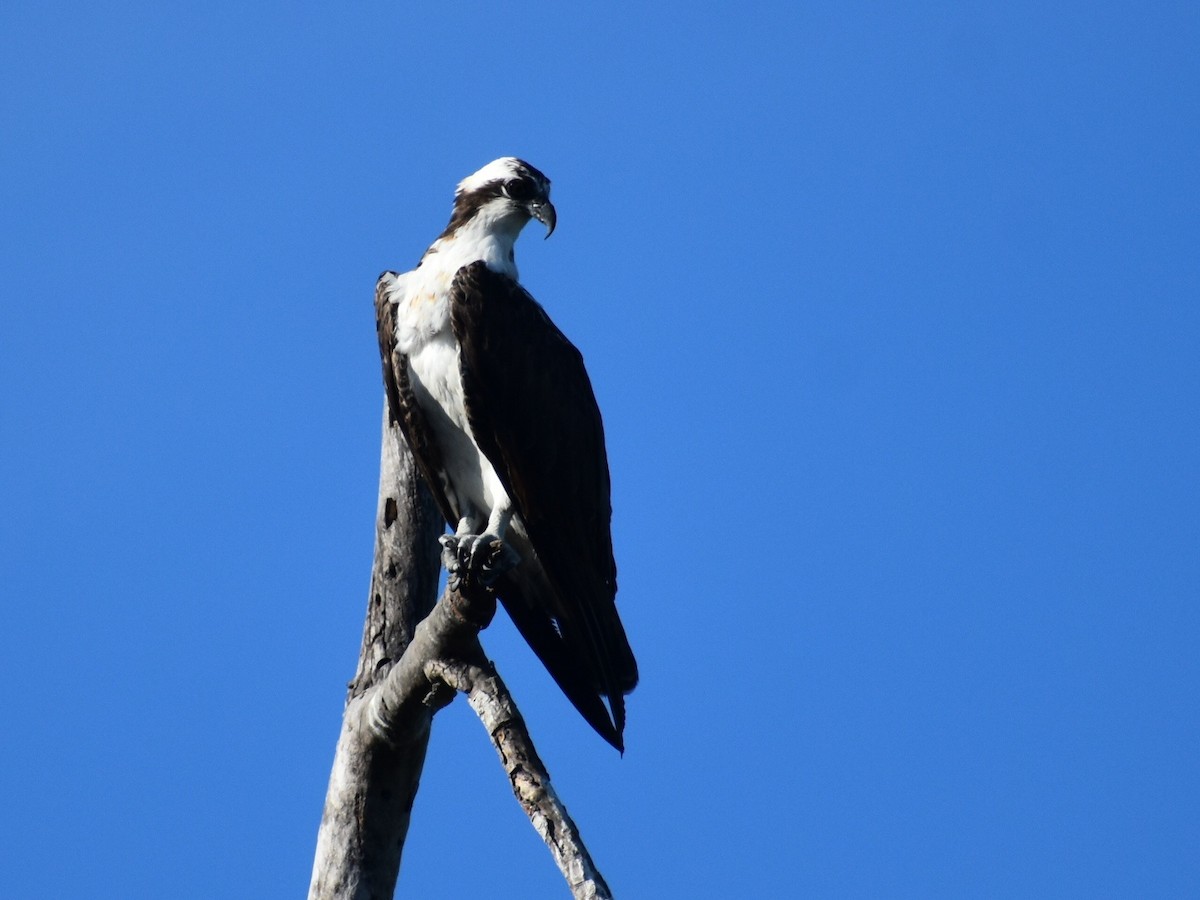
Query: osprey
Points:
[499, 413]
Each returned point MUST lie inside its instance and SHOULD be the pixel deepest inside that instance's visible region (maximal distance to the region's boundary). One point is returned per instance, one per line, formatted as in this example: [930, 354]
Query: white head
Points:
[506, 168]
[507, 191]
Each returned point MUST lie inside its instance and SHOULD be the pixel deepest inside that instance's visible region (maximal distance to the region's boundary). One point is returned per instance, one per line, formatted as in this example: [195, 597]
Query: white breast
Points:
[425, 336]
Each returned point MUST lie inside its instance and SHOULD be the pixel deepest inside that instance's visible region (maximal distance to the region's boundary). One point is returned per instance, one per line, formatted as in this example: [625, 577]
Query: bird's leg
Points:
[483, 557]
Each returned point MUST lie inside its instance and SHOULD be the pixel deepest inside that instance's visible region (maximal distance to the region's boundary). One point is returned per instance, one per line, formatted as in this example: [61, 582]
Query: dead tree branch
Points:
[406, 673]
[373, 782]
[527, 775]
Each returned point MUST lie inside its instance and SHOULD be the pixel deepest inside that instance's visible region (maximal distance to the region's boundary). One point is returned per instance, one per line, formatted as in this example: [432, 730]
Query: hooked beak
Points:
[543, 211]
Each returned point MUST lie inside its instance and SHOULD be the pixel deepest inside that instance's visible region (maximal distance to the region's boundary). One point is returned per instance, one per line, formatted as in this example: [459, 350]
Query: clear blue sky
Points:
[893, 315]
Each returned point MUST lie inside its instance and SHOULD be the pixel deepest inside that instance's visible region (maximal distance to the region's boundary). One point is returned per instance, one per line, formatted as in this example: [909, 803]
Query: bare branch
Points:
[406, 673]
[527, 775]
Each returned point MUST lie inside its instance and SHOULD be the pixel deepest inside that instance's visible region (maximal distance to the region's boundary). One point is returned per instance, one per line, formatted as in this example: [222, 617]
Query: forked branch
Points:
[405, 675]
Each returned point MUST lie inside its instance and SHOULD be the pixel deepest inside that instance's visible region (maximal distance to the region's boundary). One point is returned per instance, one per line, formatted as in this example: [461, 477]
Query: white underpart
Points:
[424, 334]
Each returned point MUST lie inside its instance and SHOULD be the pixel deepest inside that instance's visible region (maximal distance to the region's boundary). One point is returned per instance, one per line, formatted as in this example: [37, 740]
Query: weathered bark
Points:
[527, 775]
[406, 673]
[374, 782]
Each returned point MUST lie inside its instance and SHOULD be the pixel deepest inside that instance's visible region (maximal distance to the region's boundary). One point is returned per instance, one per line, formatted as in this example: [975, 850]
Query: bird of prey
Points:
[499, 413]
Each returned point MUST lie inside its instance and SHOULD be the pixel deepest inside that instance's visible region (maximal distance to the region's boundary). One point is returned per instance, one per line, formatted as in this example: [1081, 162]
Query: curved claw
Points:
[479, 558]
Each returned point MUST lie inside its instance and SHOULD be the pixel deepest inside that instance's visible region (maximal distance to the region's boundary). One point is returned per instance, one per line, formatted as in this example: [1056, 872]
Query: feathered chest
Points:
[425, 334]
[424, 309]
[423, 312]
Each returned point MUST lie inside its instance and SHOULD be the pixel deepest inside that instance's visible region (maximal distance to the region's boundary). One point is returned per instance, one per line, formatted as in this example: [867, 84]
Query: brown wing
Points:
[532, 412]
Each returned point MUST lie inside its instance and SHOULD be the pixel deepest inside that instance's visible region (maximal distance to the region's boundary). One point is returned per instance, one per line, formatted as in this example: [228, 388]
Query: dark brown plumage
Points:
[533, 414]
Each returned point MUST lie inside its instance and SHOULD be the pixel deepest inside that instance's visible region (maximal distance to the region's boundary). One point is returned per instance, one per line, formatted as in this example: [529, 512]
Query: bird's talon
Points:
[480, 558]
[451, 555]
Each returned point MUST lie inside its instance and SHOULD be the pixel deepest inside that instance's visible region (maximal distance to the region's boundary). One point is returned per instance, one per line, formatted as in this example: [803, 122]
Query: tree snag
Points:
[415, 655]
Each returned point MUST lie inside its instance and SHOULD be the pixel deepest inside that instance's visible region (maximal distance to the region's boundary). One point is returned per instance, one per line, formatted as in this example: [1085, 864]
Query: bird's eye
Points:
[519, 190]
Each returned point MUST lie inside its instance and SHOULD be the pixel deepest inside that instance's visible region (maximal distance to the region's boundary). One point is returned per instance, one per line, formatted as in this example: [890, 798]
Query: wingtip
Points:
[612, 729]
[612, 737]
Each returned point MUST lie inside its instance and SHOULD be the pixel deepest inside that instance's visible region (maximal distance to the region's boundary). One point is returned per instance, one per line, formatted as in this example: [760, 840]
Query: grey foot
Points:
[476, 558]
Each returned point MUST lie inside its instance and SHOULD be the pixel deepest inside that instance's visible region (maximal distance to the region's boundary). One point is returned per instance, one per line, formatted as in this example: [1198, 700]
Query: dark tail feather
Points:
[599, 641]
[617, 702]
[568, 670]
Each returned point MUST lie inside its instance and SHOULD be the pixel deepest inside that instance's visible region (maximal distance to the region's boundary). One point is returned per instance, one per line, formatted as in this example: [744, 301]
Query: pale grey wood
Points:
[410, 665]
[527, 774]
[373, 781]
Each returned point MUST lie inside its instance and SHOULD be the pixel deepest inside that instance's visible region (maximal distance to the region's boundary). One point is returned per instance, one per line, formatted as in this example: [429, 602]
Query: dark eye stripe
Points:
[520, 189]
